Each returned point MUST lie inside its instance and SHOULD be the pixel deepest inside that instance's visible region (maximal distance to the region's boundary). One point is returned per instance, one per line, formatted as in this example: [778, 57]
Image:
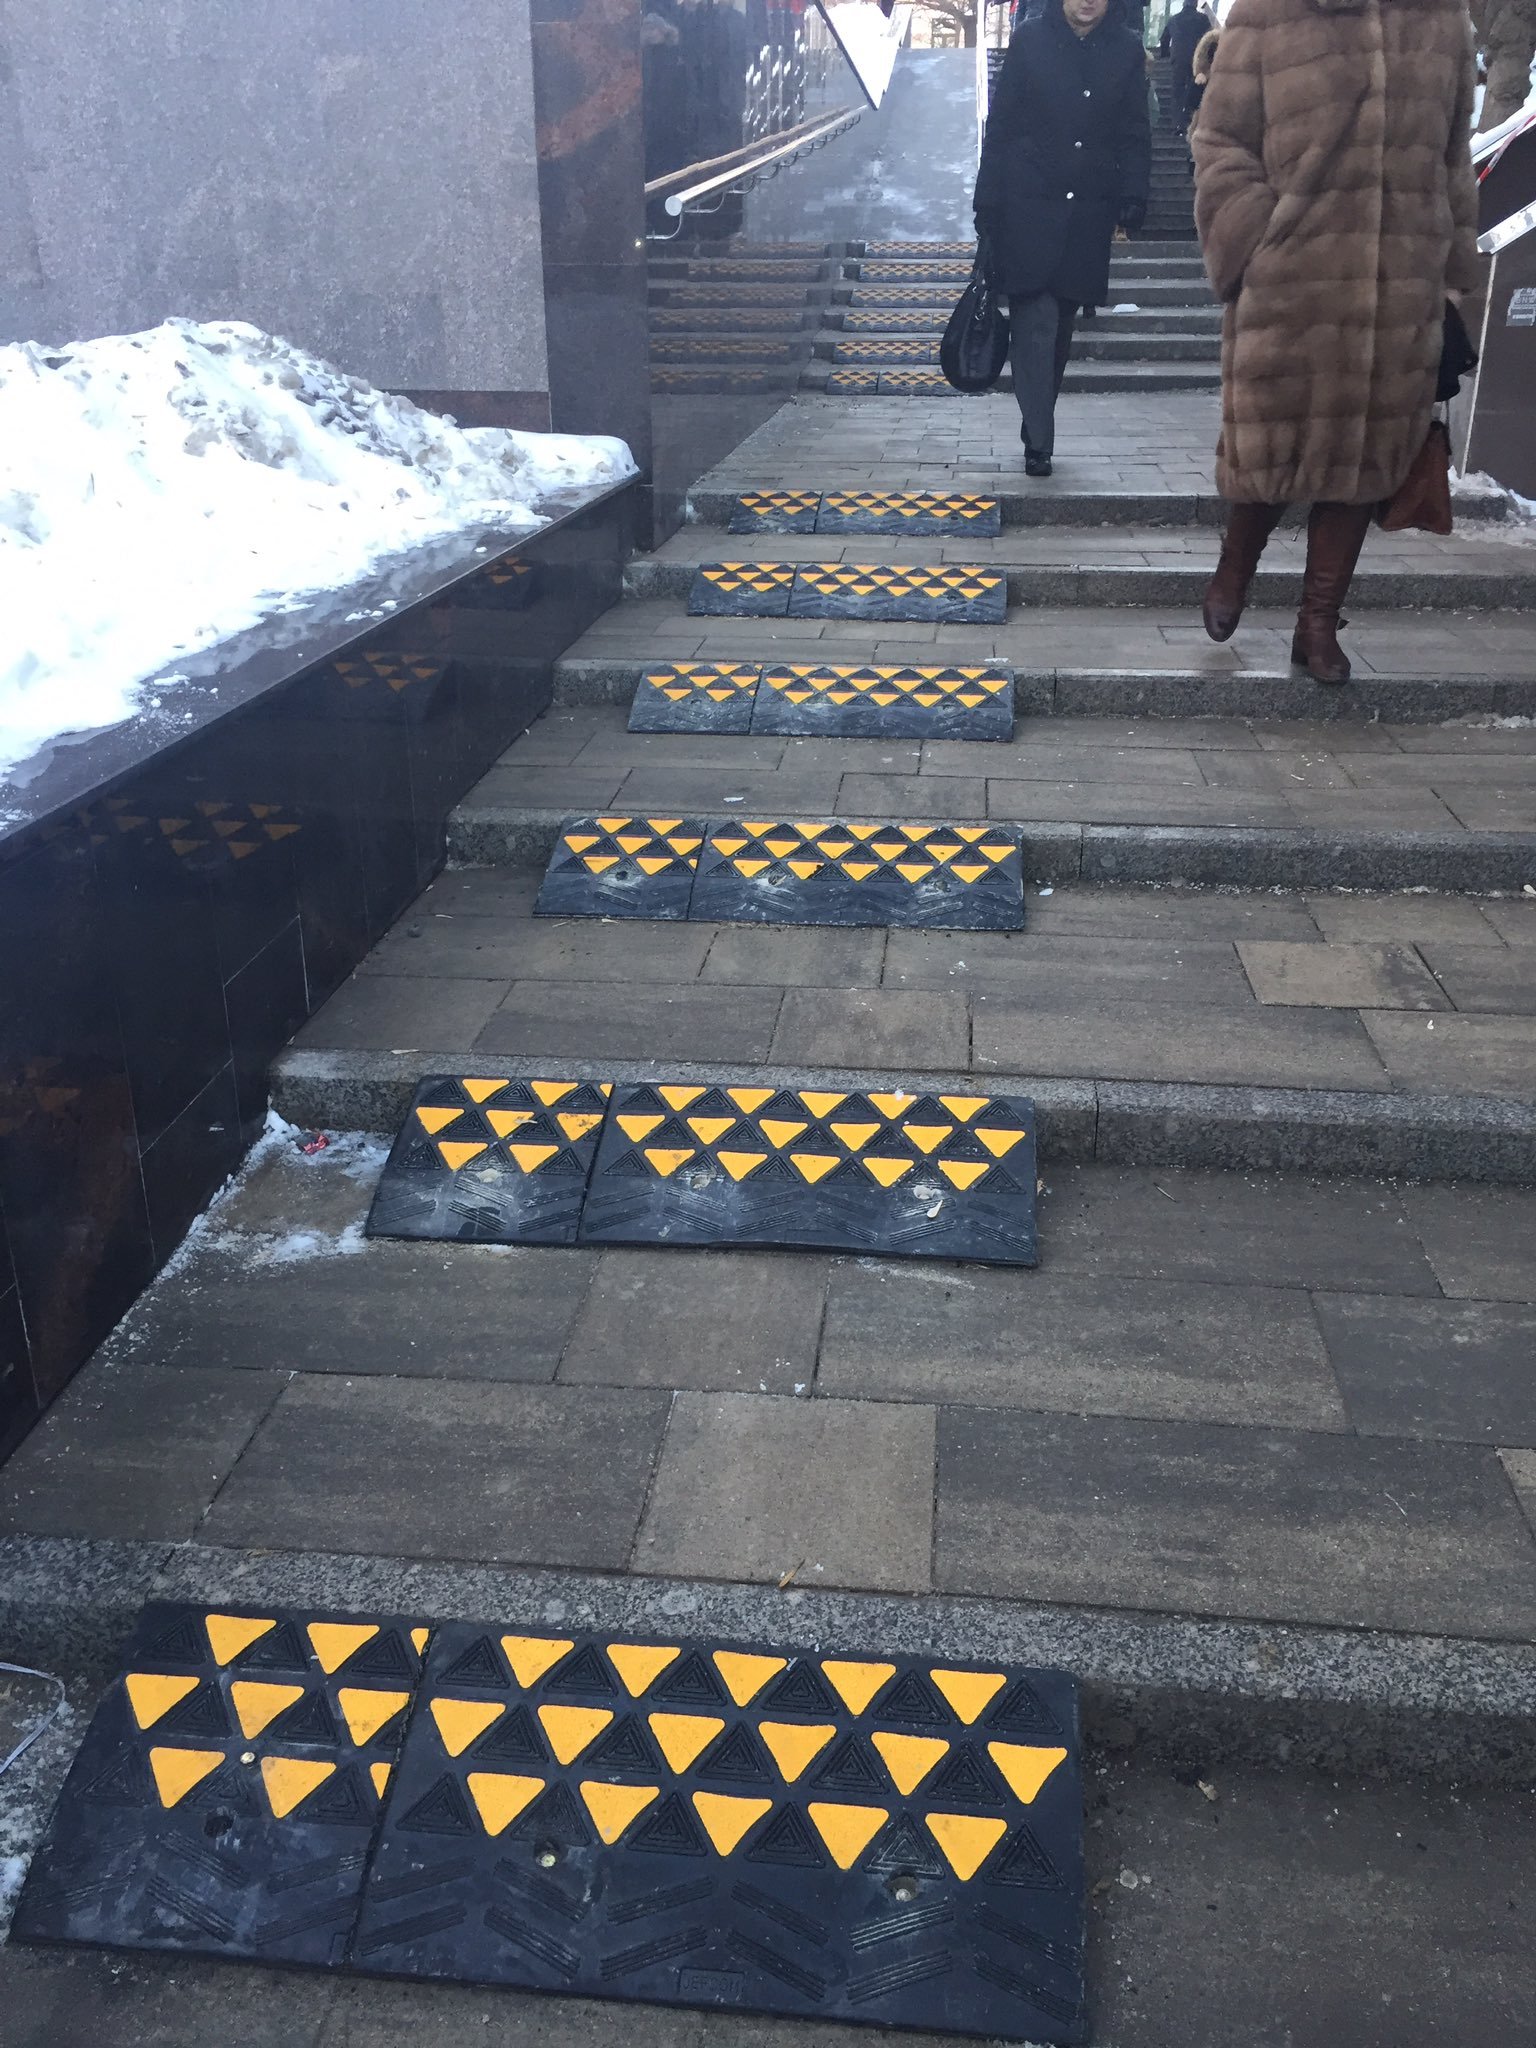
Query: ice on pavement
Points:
[161, 491]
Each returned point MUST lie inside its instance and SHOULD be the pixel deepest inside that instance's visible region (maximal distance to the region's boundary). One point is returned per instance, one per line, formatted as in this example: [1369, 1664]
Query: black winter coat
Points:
[1068, 148]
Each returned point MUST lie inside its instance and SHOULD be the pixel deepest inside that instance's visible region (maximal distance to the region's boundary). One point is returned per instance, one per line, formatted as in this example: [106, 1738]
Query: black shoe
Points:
[1036, 465]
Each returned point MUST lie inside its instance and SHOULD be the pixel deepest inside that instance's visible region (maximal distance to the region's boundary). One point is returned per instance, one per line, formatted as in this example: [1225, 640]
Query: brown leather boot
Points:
[1248, 528]
[1335, 536]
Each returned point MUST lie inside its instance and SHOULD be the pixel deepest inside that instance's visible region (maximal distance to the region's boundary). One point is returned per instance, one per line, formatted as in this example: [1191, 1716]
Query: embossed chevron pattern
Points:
[775, 512]
[621, 867]
[942, 592]
[857, 700]
[920, 273]
[921, 352]
[921, 512]
[753, 590]
[910, 321]
[935, 250]
[695, 696]
[950, 877]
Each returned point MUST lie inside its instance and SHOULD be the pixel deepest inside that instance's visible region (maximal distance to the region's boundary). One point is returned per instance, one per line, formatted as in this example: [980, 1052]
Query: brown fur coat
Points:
[1336, 205]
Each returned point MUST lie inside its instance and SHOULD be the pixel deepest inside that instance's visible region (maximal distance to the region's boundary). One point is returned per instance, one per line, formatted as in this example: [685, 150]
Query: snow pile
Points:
[161, 491]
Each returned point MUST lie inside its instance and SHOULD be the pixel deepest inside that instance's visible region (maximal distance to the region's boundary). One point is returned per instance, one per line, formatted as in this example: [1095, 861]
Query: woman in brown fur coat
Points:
[1337, 209]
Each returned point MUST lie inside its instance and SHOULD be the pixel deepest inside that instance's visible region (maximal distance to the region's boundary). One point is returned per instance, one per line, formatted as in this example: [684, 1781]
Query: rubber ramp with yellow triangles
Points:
[837, 871]
[943, 513]
[942, 593]
[902, 1173]
[849, 700]
[848, 1835]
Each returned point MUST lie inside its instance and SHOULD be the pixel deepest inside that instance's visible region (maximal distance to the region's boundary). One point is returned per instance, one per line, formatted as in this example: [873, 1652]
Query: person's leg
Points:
[1335, 536]
[1066, 320]
[1032, 356]
[1248, 530]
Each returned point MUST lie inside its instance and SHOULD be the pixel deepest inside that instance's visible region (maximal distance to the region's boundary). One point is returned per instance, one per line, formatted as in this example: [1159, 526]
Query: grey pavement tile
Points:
[755, 1487]
[1038, 760]
[1470, 738]
[1491, 810]
[68, 1997]
[559, 735]
[1085, 911]
[400, 1012]
[1157, 735]
[1259, 1229]
[1078, 1344]
[1373, 810]
[1494, 979]
[477, 892]
[778, 793]
[1257, 1523]
[1514, 920]
[1323, 735]
[1132, 803]
[767, 956]
[376, 2014]
[1458, 1370]
[1521, 1468]
[1340, 977]
[1405, 920]
[1142, 1041]
[1480, 1240]
[873, 1028]
[541, 785]
[733, 1321]
[1058, 970]
[133, 1455]
[446, 1469]
[565, 949]
[1447, 772]
[912, 796]
[658, 1021]
[1456, 1055]
[854, 756]
[1274, 771]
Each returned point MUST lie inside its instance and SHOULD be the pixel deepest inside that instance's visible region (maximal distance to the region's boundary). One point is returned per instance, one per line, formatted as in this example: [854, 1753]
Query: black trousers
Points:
[1039, 343]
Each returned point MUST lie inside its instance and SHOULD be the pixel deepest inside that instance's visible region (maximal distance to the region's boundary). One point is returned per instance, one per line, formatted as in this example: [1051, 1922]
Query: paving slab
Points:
[757, 1488]
[1515, 922]
[1486, 1055]
[1462, 1371]
[1061, 970]
[897, 1028]
[1334, 976]
[1406, 920]
[768, 957]
[1485, 979]
[389, 1012]
[581, 1021]
[1200, 1519]
[1480, 1241]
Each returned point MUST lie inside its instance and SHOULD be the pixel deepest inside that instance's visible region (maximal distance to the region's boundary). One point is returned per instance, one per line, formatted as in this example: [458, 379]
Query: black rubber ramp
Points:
[894, 1840]
[921, 592]
[901, 1174]
[858, 512]
[847, 700]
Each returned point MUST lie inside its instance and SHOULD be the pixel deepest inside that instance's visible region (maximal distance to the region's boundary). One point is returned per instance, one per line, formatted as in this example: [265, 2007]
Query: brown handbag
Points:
[1423, 499]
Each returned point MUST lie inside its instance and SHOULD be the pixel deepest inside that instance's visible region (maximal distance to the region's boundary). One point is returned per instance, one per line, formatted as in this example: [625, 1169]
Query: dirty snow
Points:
[161, 491]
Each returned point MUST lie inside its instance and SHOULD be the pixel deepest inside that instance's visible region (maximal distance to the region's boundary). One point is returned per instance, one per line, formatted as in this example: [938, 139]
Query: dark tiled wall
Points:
[166, 935]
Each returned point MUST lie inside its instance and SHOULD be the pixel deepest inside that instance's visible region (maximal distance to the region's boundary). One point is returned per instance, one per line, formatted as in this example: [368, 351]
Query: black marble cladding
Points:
[178, 893]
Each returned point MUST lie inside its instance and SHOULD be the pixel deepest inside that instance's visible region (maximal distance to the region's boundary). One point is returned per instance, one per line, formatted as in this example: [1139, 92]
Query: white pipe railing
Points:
[677, 203]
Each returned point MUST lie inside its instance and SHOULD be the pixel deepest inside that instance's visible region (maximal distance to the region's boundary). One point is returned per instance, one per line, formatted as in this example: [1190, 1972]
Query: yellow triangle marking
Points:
[853, 1135]
[813, 1166]
[652, 864]
[966, 1839]
[860, 870]
[968, 871]
[380, 1776]
[968, 1691]
[1025, 1766]
[942, 852]
[178, 1770]
[613, 1807]
[750, 868]
[335, 1641]
[435, 1120]
[666, 1161]
[1000, 1142]
[912, 870]
[637, 1127]
[461, 1722]
[531, 1157]
[639, 1663]
[365, 1712]
[780, 1132]
[846, 1830]
[857, 1683]
[290, 1780]
[890, 1105]
[420, 1637]
[685, 845]
[711, 1128]
[500, 1796]
[727, 1818]
[791, 1747]
[864, 831]
[730, 847]
[229, 1634]
[570, 1729]
[551, 1092]
[684, 1736]
[457, 1154]
[994, 853]
[834, 849]
[887, 1171]
[614, 824]
[804, 869]
[482, 1091]
[963, 1106]
[927, 1137]
[739, 1164]
[151, 1697]
[629, 842]
[915, 832]
[256, 1704]
[909, 1758]
[779, 847]
[750, 1099]
[963, 1173]
[578, 842]
[599, 867]
[578, 1124]
[969, 833]
[505, 1121]
[531, 1656]
[745, 1675]
[887, 848]
[819, 1102]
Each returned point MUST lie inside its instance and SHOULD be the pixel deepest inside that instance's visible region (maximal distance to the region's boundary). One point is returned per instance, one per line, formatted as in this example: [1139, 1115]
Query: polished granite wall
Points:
[357, 175]
[179, 893]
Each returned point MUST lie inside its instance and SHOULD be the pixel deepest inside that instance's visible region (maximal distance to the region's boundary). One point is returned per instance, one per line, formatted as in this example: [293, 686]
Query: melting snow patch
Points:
[161, 491]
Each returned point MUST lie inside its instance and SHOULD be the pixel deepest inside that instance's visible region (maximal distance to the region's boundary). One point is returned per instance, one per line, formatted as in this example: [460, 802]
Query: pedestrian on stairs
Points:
[1066, 158]
[1337, 211]
[1181, 38]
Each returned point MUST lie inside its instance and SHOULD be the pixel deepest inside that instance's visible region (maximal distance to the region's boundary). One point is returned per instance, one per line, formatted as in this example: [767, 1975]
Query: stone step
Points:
[734, 269]
[733, 319]
[1088, 346]
[781, 295]
[721, 378]
[1140, 245]
[1142, 291]
[1204, 320]
[728, 351]
[1082, 375]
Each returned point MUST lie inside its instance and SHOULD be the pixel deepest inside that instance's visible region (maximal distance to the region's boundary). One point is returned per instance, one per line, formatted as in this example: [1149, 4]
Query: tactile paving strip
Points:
[730, 1164]
[904, 295]
[904, 1175]
[759, 320]
[695, 696]
[704, 349]
[918, 273]
[930, 249]
[851, 872]
[927, 592]
[921, 384]
[856, 382]
[227, 1794]
[701, 378]
[775, 512]
[873, 701]
[888, 1839]
[909, 322]
[742, 590]
[621, 867]
[488, 1161]
[919, 512]
[922, 352]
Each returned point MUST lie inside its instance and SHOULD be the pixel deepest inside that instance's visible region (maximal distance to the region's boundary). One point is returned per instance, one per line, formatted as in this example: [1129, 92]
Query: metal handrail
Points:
[734, 157]
[677, 203]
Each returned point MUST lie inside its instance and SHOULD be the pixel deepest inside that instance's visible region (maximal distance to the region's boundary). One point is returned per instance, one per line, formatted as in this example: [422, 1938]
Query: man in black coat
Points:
[1181, 38]
[1067, 156]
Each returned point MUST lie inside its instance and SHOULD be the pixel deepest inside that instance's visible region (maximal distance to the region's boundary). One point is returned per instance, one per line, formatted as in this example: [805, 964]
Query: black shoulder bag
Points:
[975, 345]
